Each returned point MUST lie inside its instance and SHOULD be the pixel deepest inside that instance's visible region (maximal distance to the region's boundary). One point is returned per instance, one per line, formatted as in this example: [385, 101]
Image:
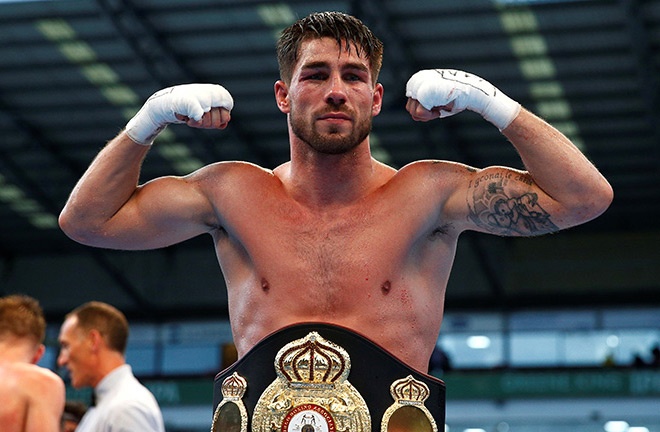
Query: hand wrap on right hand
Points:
[190, 100]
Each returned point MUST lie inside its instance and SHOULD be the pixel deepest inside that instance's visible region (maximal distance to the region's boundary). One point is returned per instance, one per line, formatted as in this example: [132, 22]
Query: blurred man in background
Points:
[31, 397]
[93, 342]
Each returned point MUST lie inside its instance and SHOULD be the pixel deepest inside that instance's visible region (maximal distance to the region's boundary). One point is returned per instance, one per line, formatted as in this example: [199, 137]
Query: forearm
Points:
[559, 168]
[104, 189]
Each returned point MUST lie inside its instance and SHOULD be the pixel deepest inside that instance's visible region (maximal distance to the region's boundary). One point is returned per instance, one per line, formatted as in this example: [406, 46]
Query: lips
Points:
[335, 116]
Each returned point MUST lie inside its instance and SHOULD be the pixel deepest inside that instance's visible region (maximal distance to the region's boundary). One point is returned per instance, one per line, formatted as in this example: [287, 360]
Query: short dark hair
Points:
[107, 320]
[343, 28]
[21, 316]
[74, 410]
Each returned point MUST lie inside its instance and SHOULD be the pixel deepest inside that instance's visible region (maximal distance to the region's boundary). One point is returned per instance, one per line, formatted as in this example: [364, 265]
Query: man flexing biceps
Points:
[334, 236]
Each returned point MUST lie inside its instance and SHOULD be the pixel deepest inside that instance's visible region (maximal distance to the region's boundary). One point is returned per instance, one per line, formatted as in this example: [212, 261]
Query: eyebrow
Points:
[321, 65]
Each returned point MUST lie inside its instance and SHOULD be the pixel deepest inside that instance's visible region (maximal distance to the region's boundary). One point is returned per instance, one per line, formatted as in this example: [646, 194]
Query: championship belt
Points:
[324, 378]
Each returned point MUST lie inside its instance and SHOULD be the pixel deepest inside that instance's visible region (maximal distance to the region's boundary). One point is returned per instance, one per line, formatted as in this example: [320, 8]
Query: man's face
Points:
[76, 354]
[331, 99]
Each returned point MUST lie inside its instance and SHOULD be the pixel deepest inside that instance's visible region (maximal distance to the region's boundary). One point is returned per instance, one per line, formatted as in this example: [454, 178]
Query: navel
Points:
[386, 287]
[264, 285]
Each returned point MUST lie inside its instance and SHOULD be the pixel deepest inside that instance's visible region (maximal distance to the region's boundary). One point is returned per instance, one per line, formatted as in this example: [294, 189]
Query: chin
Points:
[76, 384]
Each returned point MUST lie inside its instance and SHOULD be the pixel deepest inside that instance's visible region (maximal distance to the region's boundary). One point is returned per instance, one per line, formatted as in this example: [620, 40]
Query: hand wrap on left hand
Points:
[440, 87]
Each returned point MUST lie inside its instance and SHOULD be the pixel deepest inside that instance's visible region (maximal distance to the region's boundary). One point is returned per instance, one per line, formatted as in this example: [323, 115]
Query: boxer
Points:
[333, 236]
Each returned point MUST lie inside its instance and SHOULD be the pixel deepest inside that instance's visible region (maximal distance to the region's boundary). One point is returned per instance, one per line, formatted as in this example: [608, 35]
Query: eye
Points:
[316, 76]
[356, 75]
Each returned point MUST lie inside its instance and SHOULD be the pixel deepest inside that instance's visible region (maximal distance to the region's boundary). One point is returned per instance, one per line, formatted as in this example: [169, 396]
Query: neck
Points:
[317, 179]
[17, 352]
[107, 364]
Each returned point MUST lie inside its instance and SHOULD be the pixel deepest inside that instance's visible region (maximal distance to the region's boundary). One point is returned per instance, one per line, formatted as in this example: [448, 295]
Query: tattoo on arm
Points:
[498, 210]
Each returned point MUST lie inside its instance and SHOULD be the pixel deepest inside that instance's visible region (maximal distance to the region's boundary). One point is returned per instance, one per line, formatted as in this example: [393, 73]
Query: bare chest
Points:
[335, 262]
[335, 247]
[369, 268]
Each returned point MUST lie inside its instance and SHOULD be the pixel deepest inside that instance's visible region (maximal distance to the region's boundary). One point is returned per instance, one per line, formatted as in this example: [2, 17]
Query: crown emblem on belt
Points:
[408, 411]
[311, 391]
[233, 387]
[230, 413]
[409, 390]
[313, 360]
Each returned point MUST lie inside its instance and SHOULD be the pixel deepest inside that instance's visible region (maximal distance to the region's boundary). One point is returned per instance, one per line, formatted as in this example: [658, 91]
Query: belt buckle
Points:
[311, 391]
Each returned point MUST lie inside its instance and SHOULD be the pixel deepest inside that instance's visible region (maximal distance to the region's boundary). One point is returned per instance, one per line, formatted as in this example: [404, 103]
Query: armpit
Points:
[440, 230]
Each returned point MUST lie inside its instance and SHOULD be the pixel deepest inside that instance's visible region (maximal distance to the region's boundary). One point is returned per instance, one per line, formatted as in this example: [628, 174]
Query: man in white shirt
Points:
[93, 341]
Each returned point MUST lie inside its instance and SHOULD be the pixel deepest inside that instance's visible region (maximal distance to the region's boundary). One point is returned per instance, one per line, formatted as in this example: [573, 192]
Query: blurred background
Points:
[558, 333]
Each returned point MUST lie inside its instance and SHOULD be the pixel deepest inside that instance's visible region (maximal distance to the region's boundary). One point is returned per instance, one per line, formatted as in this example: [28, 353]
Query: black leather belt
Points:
[324, 378]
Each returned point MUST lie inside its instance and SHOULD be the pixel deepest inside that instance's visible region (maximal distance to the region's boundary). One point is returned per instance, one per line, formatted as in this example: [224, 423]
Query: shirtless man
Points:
[334, 235]
[31, 397]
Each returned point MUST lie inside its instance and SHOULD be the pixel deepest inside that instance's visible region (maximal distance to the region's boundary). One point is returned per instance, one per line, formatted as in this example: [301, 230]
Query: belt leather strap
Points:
[372, 372]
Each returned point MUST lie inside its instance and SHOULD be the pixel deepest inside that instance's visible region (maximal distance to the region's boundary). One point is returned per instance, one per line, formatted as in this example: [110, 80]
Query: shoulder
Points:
[435, 168]
[39, 383]
[436, 187]
[439, 176]
[131, 392]
[37, 375]
[229, 170]
[134, 407]
[48, 381]
[49, 377]
[228, 178]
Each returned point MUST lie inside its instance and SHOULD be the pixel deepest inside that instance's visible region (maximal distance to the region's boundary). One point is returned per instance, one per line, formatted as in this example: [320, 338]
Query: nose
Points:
[336, 92]
[62, 359]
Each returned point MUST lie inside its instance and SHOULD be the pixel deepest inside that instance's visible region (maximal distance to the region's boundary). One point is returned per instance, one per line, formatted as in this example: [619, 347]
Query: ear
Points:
[282, 96]
[38, 354]
[95, 339]
[377, 102]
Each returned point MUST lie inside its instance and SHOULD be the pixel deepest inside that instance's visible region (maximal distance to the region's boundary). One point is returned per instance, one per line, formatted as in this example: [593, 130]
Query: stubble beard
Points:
[333, 142]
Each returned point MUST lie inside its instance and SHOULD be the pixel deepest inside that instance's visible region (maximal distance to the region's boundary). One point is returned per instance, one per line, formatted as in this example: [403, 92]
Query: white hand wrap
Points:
[190, 100]
[439, 87]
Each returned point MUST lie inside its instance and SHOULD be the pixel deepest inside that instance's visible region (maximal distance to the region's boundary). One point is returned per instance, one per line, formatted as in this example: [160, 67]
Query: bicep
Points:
[503, 201]
[161, 212]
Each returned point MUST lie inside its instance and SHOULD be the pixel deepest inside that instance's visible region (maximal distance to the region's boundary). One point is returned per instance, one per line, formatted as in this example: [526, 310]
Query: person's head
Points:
[348, 31]
[329, 64]
[22, 323]
[72, 415]
[93, 341]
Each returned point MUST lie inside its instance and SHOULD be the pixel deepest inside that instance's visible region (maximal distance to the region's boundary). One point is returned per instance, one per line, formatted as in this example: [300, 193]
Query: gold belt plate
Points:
[311, 391]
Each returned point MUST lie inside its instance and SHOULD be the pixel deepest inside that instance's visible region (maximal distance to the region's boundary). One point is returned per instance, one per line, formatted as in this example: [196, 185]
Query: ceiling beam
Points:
[34, 190]
[640, 47]
[397, 59]
[166, 67]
